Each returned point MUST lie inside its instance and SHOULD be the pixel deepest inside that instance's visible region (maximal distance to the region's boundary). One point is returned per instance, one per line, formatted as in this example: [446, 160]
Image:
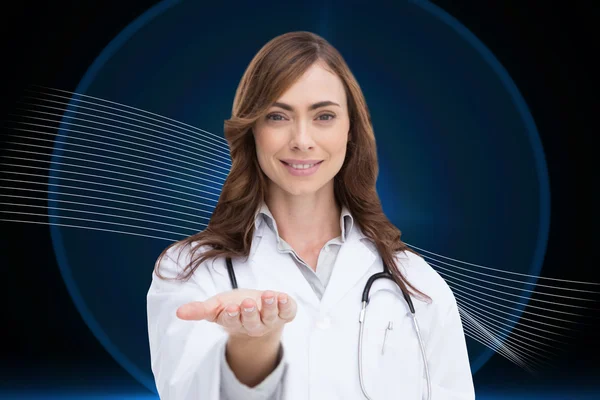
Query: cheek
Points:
[267, 145]
[337, 145]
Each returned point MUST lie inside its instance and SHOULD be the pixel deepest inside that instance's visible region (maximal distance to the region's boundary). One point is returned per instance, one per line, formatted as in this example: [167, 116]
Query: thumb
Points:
[199, 310]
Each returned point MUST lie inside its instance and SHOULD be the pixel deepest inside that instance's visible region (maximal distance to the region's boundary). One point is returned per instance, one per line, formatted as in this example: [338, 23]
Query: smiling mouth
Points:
[301, 166]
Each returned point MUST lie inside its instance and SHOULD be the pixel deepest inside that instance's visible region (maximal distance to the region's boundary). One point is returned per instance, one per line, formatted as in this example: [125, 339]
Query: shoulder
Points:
[171, 273]
[178, 256]
[422, 276]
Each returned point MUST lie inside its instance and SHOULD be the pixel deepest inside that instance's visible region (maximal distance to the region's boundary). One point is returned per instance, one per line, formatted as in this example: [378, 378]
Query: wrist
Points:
[273, 336]
[252, 359]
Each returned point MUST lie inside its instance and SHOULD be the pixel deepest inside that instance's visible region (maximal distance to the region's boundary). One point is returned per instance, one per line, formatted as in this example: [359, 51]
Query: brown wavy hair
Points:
[274, 69]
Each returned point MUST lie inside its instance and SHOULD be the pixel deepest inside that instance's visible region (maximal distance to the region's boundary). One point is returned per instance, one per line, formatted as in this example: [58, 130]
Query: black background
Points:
[546, 48]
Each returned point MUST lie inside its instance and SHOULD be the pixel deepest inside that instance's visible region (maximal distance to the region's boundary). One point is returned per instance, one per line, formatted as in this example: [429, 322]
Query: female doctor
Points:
[299, 230]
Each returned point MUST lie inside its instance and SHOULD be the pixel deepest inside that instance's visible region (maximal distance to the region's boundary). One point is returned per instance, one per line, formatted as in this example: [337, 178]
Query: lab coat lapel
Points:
[352, 263]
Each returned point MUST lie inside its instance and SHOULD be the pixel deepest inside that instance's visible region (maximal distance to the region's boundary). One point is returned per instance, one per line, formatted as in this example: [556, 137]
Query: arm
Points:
[190, 358]
[269, 388]
[447, 356]
[252, 359]
[184, 354]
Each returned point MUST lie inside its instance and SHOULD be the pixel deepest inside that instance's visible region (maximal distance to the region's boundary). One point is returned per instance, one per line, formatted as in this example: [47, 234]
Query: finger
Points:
[229, 318]
[287, 307]
[251, 318]
[269, 311]
[199, 310]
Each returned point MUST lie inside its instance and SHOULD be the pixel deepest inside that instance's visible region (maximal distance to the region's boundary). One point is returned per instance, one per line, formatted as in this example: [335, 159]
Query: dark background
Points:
[547, 50]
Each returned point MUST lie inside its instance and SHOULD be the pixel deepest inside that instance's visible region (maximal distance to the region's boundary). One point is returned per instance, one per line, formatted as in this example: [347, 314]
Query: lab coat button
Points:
[324, 323]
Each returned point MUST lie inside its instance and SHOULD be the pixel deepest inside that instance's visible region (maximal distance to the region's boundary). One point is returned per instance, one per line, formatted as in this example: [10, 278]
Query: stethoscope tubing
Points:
[361, 319]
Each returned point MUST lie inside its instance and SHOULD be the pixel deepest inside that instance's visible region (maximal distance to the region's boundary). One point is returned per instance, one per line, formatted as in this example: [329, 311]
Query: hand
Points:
[244, 312]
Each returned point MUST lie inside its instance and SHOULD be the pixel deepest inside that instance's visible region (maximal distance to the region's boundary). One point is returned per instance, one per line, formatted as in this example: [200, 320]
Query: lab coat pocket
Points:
[393, 367]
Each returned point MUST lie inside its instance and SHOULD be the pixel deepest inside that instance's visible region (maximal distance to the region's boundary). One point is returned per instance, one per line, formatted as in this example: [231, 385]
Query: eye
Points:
[326, 115]
[275, 117]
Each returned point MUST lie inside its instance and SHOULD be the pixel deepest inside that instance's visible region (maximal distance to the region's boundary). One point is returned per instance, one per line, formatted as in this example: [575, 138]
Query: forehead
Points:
[316, 84]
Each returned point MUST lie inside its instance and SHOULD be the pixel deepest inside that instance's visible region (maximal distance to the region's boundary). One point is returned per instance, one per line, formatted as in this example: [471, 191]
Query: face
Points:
[301, 140]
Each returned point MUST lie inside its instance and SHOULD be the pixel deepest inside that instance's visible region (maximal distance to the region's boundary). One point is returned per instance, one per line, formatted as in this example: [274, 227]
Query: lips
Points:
[306, 171]
[291, 161]
[312, 163]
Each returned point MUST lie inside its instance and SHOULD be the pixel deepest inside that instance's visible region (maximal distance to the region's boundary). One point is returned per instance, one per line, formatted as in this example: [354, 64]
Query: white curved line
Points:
[93, 220]
[223, 175]
[514, 280]
[514, 288]
[224, 155]
[99, 213]
[106, 177]
[155, 143]
[523, 304]
[105, 163]
[101, 206]
[130, 107]
[114, 158]
[222, 143]
[461, 298]
[500, 270]
[98, 198]
[107, 192]
[119, 187]
[87, 227]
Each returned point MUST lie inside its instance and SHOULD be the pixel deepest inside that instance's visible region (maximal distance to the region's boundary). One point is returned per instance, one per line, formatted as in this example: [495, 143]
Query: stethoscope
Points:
[361, 319]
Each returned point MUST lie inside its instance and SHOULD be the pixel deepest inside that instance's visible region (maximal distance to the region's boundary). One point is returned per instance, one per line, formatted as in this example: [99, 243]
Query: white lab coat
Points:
[321, 343]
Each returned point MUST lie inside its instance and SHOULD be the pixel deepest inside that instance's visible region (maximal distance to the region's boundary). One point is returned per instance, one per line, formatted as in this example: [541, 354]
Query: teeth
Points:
[302, 166]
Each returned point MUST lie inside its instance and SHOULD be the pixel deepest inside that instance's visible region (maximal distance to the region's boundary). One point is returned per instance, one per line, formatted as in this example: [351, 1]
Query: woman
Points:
[301, 221]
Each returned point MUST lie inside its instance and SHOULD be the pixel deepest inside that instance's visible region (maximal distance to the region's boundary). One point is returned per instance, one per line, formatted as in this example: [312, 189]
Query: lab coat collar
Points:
[353, 261]
[264, 216]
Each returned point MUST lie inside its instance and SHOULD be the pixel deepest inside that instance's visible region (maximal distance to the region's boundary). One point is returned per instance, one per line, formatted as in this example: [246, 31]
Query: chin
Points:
[307, 188]
[300, 192]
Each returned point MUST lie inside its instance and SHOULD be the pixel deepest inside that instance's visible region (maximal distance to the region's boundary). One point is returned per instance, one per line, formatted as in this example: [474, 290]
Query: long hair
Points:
[274, 69]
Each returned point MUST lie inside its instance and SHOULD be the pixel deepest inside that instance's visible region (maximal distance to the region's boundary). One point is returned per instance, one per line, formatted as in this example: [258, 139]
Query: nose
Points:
[301, 136]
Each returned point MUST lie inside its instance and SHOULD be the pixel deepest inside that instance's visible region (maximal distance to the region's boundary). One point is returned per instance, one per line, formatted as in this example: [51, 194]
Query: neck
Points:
[306, 221]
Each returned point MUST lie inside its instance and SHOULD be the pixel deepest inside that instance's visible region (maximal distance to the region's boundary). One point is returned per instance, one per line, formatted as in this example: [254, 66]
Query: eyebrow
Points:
[310, 108]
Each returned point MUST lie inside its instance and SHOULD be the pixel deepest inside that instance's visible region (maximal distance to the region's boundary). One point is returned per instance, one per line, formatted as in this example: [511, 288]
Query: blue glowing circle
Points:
[462, 170]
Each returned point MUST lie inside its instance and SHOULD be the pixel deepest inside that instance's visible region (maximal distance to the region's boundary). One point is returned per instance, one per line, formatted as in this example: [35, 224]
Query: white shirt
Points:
[320, 359]
[317, 279]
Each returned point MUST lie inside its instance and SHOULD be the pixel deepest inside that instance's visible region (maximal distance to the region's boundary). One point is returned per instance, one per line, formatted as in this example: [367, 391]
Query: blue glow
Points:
[403, 207]
[95, 395]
